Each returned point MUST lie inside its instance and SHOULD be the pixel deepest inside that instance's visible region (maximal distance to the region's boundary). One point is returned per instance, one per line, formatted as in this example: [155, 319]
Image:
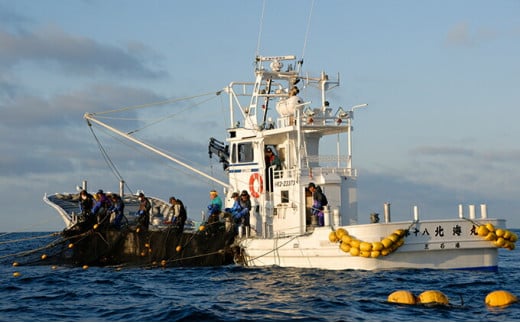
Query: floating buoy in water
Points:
[178, 249]
[163, 263]
[15, 264]
[16, 274]
[147, 245]
[71, 245]
[402, 297]
[44, 256]
[85, 267]
[201, 228]
[433, 297]
[143, 253]
[54, 267]
[95, 226]
[500, 298]
[137, 230]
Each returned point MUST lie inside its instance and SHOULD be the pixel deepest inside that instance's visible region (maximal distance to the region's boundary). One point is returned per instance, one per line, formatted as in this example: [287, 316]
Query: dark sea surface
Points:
[233, 293]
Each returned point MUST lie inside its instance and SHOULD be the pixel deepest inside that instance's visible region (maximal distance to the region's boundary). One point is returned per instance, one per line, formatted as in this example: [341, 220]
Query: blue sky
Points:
[441, 79]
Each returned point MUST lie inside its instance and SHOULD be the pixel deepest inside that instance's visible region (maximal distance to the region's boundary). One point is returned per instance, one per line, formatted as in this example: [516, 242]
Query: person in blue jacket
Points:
[101, 207]
[214, 207]
[118, 207]
[236, 204]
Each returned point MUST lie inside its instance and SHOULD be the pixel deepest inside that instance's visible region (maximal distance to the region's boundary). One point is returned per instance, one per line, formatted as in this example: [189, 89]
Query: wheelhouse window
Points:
[242, 153]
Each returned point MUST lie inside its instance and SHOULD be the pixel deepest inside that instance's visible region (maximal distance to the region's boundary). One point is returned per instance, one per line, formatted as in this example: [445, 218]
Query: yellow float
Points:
[402, 297]
[356, 247]
[500, 298]
[333, 237]
[501, 238]
[433, 297]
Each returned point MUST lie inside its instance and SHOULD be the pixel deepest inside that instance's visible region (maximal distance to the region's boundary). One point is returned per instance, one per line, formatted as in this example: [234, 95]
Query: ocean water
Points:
[234, 293]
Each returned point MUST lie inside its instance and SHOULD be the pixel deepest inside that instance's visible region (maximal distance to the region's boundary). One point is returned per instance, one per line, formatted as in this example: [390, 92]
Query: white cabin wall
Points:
[349, 201]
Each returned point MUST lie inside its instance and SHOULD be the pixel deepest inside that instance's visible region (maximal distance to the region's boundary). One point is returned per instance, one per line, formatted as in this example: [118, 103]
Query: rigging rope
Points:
[107, 159]
[168, 116]
[147, 105]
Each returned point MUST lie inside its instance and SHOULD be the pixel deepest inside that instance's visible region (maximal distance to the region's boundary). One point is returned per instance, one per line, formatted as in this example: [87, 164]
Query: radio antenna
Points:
[307, 31]
[260, 31]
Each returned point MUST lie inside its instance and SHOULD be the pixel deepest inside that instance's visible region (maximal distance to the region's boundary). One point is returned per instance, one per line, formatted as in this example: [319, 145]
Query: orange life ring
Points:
[254, 177]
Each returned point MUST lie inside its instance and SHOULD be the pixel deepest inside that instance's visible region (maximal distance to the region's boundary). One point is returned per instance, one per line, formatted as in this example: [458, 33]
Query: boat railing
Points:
[325, 171]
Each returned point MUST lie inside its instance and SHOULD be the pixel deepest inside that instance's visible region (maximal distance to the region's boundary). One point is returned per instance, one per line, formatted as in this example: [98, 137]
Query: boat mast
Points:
[90, 117]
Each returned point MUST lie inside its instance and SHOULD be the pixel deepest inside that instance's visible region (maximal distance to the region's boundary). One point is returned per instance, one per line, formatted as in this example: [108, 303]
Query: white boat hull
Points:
[422, 251]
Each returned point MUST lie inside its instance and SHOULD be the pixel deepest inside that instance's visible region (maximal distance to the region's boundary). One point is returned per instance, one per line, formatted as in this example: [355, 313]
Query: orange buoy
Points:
[354, 251]
[15, 264]
[365, 246]
[402, 297]
[341, 232]
[377, 246]
[433, 297]
[95, 226]
[345, 247]
[85, 267]
[201, 228]
[354, 243]
[16, 274]
[482, 231]
[71, 245]
[178, 249]
[44, 256]
[333, 237]
[490, 227]
[375, 253]
[500, 298]
[386, 242]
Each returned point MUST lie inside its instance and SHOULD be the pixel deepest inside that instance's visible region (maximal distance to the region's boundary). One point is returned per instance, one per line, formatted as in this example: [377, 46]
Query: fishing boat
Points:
[159, 244]
[287, 111]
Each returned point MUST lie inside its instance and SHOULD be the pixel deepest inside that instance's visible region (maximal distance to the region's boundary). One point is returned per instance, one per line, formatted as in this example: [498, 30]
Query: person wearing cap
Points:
[319, 201]
[245, 204]
[236, 204]
[272, 163]
[101, 207]
[214, 207]
[143, 219]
